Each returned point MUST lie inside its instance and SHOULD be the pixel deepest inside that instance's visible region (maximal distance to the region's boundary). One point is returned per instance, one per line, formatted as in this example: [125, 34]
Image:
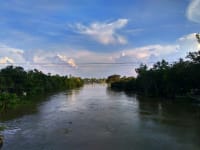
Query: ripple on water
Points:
[11, 131]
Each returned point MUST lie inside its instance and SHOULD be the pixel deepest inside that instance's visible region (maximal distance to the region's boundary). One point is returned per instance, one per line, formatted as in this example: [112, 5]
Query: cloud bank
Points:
[87, 63]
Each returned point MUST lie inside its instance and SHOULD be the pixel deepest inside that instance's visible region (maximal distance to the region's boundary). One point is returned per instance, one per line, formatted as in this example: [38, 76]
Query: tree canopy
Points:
[15, 82]
[164, 79]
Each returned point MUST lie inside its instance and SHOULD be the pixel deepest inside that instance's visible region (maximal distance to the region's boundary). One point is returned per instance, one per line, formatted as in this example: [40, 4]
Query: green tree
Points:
[113, 78]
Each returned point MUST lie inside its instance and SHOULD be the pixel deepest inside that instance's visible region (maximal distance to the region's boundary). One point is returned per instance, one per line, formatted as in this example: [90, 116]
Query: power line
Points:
[87, 63]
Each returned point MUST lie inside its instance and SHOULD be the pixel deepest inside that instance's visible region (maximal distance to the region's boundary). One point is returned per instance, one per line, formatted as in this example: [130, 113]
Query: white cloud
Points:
[55, 62]
[9, 55]
[188, 43]
[193, 11]
[153, 53]
[64, 58]
[7, 49]
[6, 60]
[53, 59]
[105, 33]
[155, 50]
[188, 37]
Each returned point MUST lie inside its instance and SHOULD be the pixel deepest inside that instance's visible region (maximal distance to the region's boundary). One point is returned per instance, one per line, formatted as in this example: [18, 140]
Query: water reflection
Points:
[160, 109]
[71, 94]
[177, 119]
[29, 108]
[169, 109]
[32, 105]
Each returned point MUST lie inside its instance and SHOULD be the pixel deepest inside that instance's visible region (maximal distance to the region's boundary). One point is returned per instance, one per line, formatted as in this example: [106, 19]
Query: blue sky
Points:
[77, 32]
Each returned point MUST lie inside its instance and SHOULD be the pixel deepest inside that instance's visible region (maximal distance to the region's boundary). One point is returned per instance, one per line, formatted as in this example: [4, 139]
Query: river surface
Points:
[96, 118]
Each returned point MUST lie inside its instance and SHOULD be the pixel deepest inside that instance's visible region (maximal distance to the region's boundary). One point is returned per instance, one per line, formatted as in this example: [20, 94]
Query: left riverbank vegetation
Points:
[16, 85]
[179, 79]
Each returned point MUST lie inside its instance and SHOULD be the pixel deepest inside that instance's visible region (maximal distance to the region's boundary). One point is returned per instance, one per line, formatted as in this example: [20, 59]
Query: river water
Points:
[96, 118]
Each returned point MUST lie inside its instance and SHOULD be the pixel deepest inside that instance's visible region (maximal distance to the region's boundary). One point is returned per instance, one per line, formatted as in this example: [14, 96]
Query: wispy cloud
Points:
[193, 11]
[145, 52]
[65, 59]
[11, 55]
[105, 33]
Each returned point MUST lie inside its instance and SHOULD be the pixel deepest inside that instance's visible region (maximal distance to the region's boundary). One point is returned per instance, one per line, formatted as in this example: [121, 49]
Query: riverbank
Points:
[17, 85]
[17, 104]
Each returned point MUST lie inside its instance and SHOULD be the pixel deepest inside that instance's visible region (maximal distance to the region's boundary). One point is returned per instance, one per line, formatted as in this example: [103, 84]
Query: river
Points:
[96, 118]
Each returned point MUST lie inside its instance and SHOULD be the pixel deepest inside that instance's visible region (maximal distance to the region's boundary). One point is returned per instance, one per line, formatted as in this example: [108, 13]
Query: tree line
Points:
[180, 78]
[16, 83]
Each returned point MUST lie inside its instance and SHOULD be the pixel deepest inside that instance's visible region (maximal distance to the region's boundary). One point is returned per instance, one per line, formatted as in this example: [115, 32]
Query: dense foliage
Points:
[164, 79]
[15, 82]
[113, 78]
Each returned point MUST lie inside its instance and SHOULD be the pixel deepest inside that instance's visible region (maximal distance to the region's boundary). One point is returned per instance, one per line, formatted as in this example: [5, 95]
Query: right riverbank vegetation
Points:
[16, 85]
[179, 79]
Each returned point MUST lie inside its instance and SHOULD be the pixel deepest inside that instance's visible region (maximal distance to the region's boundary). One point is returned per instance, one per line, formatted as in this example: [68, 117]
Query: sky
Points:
[96, 38]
